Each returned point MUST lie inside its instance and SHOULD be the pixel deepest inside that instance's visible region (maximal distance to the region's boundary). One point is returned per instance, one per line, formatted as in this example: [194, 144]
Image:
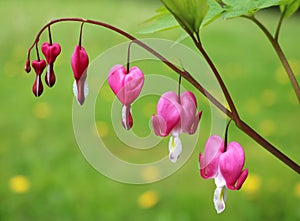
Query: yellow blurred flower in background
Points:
[41, 110]
[148, 199]
[252, 184]
[19, 184]
[297, 189]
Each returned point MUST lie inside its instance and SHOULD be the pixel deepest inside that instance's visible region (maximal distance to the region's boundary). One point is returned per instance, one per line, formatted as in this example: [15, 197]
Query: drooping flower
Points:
[127, 86]
[225, 165]
[174, 116]
[50, 51]
[80, 62]
[38, 67]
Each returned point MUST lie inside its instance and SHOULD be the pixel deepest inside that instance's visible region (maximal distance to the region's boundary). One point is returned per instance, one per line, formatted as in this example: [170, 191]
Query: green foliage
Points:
[289, 7]
[237, 8]
[163, 20]
[192, 17]
[188, 13]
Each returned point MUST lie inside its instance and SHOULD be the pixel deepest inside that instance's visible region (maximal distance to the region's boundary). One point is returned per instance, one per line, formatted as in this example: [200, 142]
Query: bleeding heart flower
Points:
[39, 67]
[80, 62]
[50, 51]
[225, 165]
[174, 116]
[127, 87]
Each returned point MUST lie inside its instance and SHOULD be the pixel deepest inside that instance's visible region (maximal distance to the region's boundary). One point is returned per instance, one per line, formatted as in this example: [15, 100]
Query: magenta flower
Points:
[80, 62]
[225, 165]
[38, 67]
[127, 87]
[50, 51]
[174, 116]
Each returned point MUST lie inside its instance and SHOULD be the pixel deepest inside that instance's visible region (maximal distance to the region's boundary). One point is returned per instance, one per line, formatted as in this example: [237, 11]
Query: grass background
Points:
[44, 176]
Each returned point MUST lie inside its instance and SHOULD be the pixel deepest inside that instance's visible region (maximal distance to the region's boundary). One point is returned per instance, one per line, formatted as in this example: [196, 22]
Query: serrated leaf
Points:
[188, 13]
[236, 8]
[289, 7]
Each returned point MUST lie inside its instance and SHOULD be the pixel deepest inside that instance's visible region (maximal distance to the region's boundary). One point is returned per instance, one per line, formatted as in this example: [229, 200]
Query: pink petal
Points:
[209, 161]
[51, 51]
[189, 118]
[126, 86]
[168, 114]
[231, 165]
[133, 83]
[159, 126]
[116, 80]
[39, 66]
[241, 179]
[79, 62]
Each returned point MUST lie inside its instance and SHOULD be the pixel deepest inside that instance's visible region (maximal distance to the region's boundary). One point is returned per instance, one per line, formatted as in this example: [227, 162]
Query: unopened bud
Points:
[27, 66]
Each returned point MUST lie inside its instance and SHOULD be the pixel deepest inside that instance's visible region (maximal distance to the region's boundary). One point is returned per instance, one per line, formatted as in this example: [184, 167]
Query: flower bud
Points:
[27, 66]
[39, 67]
[79, 63]
[50, 51]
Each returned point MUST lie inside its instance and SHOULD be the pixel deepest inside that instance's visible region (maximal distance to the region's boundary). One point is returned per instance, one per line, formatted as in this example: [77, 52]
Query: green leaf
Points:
[162, 21]
[237, 8]
[289, 7]
[188, 13]
[215, 11]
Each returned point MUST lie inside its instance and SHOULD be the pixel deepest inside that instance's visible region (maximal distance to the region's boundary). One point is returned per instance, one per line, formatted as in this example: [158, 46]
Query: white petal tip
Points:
[220, 196]
[80, 99]
[175, 149]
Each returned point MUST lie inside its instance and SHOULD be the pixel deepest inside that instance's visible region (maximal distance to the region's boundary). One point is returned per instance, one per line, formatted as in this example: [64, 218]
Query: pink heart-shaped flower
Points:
[126, 86]
[51, 51]
[39, 66]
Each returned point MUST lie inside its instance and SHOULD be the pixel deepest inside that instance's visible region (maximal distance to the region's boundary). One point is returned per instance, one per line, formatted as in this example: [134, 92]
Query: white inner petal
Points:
[75, 90]
[175, 148]
[220, 197]
[125, 116]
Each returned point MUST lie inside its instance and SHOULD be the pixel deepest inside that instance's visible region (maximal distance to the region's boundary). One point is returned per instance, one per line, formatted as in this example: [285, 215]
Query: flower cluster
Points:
[50, 51]
[176, 113]
[79, 63]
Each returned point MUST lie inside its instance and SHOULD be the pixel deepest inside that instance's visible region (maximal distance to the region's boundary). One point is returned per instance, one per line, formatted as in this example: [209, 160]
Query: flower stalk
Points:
[279, 51]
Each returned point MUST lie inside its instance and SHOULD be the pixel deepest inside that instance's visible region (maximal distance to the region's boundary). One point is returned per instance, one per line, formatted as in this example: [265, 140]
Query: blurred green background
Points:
[44, 176]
